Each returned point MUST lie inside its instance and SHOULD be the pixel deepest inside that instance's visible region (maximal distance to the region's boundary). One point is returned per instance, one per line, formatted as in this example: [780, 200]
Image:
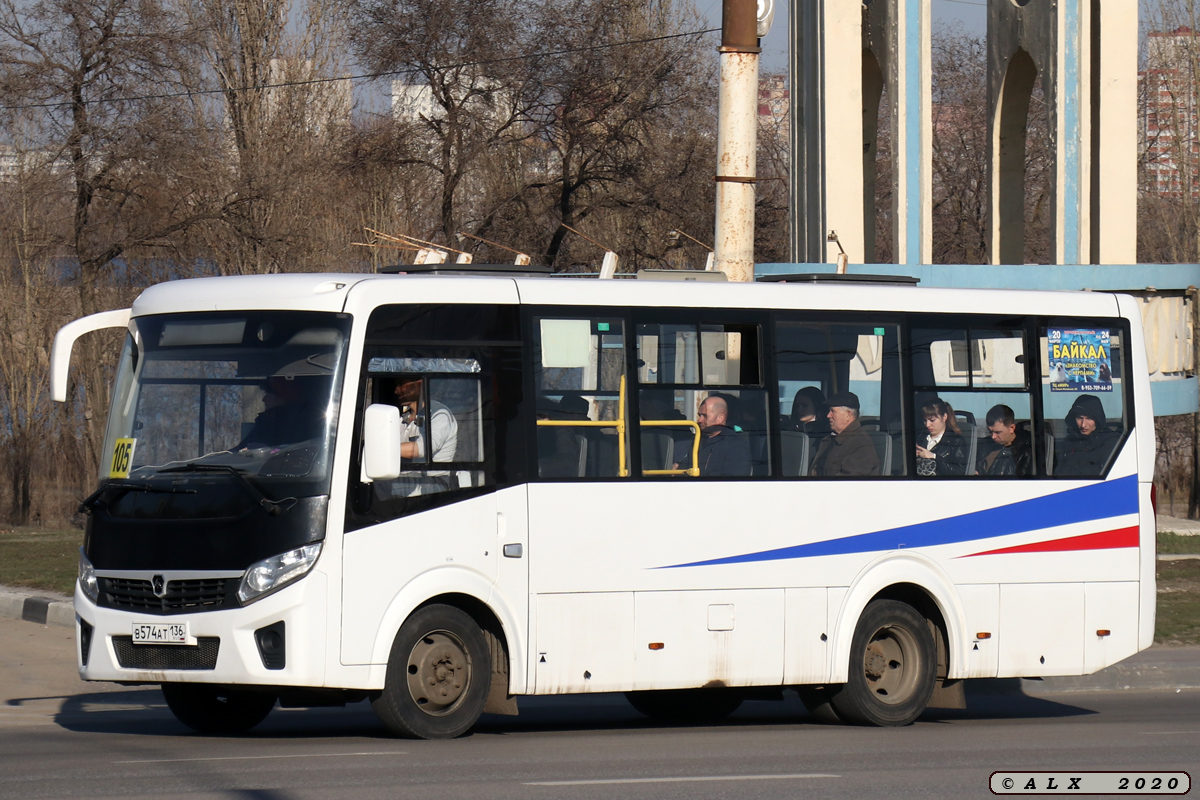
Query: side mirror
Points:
[381, 443]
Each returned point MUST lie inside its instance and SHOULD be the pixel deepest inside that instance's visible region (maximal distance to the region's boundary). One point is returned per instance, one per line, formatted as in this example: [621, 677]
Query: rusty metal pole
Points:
[737, 139]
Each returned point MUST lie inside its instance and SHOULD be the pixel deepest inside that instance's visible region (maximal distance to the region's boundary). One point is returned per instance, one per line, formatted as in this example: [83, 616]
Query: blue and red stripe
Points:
[1096, 501]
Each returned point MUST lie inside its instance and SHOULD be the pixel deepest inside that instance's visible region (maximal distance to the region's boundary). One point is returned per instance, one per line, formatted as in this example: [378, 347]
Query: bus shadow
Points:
[143, 712]
[1004, 698]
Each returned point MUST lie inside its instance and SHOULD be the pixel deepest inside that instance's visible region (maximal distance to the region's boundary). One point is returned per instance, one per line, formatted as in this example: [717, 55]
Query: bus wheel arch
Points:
[918, 582]
[499, 699]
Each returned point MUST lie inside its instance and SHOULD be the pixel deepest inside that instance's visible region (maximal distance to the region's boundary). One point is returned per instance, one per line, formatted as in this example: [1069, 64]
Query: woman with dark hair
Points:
[1089, 443]
[809, 412]
[946, 452]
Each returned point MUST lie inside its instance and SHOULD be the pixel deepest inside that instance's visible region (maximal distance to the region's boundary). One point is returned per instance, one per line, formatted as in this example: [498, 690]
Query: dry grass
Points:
[40, 558]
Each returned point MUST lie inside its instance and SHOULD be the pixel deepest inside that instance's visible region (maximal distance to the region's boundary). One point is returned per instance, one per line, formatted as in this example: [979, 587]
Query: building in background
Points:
[1167, 118]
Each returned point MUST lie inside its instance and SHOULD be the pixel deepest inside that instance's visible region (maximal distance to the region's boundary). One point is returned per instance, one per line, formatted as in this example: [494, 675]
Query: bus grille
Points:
[167, 656]
[182, 596]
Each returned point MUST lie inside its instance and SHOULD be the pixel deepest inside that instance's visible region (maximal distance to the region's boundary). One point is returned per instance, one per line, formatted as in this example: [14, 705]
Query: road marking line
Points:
[686, 779]
[1166, 733]
[257, 758]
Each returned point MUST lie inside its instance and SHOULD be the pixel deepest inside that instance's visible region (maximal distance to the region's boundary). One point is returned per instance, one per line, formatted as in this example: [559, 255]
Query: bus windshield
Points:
[249, 395]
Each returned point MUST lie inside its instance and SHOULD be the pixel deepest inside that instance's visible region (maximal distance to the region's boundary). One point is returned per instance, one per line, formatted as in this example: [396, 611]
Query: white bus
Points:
[445, 492]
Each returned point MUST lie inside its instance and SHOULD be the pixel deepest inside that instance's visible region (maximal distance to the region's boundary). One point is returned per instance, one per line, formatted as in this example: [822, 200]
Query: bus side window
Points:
[702, 409]
[1083, 396]
[580, 398]
[972, 396]
[817, 360]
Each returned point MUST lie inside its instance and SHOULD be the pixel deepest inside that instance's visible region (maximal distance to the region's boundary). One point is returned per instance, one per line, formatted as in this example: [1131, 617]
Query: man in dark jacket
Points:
[1014, 456]
[1089, 443]
[848, 450]
[724, 453]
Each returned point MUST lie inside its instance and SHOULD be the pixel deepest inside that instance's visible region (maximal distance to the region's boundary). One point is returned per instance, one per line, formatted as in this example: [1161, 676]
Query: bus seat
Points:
[658, 449]
[883, 448]
[572, 463]
[795, 450]
[972, 436]
[760, 454]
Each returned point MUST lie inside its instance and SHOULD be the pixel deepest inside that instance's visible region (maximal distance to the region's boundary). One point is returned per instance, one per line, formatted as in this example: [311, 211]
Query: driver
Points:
[294, 410]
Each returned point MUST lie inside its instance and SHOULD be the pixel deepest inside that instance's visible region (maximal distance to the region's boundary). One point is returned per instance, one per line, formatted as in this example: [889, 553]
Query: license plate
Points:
[161, 633]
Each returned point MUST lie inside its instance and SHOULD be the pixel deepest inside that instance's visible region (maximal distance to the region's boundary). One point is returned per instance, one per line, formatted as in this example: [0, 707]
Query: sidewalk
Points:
[45, 608]
[1183, 527]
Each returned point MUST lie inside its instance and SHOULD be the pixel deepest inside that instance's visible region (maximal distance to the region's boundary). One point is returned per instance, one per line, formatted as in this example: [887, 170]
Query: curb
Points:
[56, 610]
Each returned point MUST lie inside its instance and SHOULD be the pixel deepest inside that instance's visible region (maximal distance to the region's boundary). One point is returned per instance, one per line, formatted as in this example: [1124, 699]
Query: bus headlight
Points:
[87, 578]
[272, 573]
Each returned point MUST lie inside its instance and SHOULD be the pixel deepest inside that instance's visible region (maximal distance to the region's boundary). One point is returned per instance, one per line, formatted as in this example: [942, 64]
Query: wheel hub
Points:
[884, 665]
[439, 672]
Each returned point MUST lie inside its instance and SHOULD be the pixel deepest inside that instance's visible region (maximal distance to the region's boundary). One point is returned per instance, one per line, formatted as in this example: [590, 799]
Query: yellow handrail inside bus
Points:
[693, 470]
[618, 423]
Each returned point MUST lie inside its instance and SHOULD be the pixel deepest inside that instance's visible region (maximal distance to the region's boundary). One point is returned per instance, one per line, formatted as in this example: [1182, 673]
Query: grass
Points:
[40, 558]
[37, 558]
[1174, 543]
[1178, 620]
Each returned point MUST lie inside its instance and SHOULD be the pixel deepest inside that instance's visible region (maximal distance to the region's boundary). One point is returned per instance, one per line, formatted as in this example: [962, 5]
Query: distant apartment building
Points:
[1168, 117]
[412, 102]
[774, 103]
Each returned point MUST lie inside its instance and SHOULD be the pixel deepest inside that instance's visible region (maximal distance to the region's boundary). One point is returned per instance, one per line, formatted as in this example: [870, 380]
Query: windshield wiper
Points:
[272, 507]
[93, 499]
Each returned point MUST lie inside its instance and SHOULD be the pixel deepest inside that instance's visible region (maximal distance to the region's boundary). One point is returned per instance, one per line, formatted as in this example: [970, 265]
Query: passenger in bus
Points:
[1089, 443]
[946, 452]
[724, 453]
[442, 427]
[848, 450]
[1013, 453]
[809, 413]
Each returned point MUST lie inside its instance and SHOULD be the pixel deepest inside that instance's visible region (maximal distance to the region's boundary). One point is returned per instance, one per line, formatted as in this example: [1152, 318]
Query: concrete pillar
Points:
[1086, 54]
[1114, 132]
[827, 159]
[843, 57]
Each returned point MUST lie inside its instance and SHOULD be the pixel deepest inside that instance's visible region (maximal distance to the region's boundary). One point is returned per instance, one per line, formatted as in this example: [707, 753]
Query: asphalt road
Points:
[62, 738]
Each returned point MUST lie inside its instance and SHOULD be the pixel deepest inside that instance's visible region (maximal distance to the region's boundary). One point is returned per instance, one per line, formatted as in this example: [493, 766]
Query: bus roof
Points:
[351, 292]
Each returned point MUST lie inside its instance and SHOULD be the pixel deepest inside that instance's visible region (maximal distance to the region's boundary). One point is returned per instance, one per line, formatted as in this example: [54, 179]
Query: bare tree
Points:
[91, 79]
[456, 80]
[279, 122]
[961, 224]
[609, 101]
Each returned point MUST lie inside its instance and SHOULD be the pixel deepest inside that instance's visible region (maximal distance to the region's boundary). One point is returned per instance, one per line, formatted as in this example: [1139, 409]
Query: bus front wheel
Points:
[438, 675]
[893, 667]
[213, 709]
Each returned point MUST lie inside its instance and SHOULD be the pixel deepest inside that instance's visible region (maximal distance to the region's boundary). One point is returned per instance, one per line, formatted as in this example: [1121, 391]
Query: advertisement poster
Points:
[1080, 360]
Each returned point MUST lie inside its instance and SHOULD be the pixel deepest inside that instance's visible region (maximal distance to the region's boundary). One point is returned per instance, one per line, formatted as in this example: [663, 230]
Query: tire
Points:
[893, 667]
[438, 676]
[690, 706]
[213, 709]
[818, 700]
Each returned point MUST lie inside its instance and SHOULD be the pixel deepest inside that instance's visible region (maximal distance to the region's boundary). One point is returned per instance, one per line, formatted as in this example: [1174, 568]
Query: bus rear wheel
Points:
[686, 705]
[893, 667]
[438, 675]
[212, 709]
